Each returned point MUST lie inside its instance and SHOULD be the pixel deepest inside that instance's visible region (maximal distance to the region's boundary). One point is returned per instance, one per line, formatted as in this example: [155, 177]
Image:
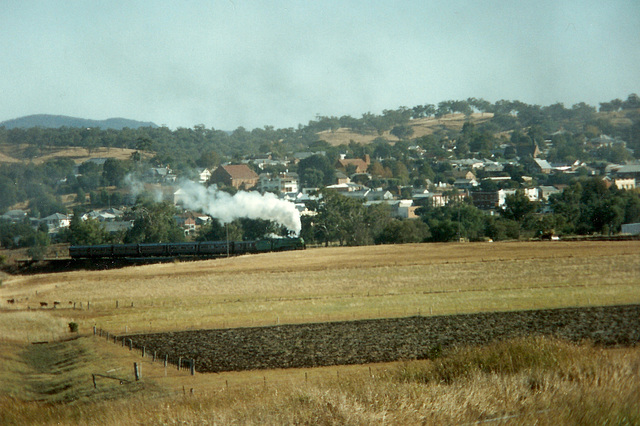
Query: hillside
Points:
[420, 126]
[56, 121]
[78, 154]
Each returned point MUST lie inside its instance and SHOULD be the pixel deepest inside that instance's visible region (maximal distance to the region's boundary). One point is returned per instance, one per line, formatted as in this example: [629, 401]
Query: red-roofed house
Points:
[239, 176]
[362, 164]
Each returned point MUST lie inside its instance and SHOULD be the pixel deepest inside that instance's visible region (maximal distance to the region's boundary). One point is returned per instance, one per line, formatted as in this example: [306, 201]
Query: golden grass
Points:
[587, 386]
[8, 159]
[525, 381]
[420, 126]
[340, 283]
[77, 154]
[32, 326]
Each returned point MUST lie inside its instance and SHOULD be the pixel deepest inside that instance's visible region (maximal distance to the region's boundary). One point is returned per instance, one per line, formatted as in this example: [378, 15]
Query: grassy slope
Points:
[421, 127]
[588, 386]
[10, 154]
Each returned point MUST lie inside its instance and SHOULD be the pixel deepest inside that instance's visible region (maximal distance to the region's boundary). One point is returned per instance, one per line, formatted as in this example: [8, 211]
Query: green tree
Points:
[215, 231]
[113, 172]
[319, 163]
[339, 219]
[402, 132]
[86, 232]
[38, 249]
[208, 159]
[403, 231]
[518, 206]
[154, 223]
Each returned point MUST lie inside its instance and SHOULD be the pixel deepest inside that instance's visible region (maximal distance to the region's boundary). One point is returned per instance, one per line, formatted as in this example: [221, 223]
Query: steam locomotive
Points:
[203, 249]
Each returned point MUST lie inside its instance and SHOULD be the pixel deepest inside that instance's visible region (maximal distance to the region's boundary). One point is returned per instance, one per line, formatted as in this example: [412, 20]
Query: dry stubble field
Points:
[337, 284]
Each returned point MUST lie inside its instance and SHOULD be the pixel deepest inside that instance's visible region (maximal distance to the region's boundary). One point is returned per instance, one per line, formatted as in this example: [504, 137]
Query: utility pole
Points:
[227, 227]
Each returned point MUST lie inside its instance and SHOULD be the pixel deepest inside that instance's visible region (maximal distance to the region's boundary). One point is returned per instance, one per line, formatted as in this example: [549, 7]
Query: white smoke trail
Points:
[137, 187]
[252, 205]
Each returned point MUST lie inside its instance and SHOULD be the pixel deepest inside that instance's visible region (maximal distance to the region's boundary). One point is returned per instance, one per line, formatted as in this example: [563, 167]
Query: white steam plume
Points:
[136, 187]
[251, 205]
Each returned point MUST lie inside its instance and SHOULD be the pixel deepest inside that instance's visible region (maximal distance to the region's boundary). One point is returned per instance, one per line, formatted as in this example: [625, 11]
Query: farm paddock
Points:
[385, 340]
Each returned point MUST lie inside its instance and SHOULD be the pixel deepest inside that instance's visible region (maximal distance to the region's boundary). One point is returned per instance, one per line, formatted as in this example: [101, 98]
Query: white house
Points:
[204, 175]
[627, 183]
[56, 221]
[283, 182]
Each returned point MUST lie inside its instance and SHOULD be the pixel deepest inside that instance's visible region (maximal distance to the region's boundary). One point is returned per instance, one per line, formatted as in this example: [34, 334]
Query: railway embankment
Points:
[383, 340]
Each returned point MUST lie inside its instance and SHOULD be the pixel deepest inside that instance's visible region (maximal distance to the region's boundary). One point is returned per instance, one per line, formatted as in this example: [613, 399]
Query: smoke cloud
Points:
[137, 187]
[252, 205]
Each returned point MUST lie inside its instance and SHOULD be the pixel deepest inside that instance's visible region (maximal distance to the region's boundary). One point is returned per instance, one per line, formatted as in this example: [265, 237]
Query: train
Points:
[190, 249]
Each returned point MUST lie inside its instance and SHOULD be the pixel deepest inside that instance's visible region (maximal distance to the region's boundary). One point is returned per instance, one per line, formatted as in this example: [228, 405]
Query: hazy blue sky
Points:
[230, 63]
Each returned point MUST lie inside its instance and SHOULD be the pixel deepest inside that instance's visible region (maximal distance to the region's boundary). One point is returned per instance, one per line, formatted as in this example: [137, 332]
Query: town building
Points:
[239, 176]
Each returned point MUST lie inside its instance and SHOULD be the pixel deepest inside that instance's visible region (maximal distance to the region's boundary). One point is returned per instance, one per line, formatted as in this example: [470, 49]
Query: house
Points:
[361, 164]
[493, 200]
[465, 183]
[278, 182]
[486, 200]
[14, 216]
[464, 174]
[297, 156]
[468, 163]
[178, 196]
[628, 171]
[546, 191]
[370, 194]
[203, 175]
[105, 215]
[341, 178]
[626, 183]
[56, 221]
[543, 165]
[160, 174]
[404, 209]
[531, 193]
[239, 176]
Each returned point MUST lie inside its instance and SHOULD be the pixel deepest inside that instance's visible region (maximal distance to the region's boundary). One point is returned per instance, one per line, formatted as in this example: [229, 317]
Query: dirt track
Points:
[367, 341]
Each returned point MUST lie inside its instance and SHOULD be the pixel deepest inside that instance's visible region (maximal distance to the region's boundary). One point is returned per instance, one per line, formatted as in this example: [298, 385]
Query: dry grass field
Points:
[10, 154]
[420, 126]
[555, 383]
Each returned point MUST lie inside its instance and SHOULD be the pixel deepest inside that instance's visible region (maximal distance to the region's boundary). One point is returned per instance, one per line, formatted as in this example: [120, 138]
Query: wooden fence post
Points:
[143, 351]
[94, 330]
[136, 371]
[193, 367]
[154, 356]
[166, 360]
[179, 363]
[93, 376]
[130, 344]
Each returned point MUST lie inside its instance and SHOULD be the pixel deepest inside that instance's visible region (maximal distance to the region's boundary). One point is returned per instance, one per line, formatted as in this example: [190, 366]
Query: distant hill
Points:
[55, 121]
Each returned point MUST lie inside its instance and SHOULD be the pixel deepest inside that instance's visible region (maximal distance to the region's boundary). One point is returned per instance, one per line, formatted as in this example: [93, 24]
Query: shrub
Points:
[73, 327]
